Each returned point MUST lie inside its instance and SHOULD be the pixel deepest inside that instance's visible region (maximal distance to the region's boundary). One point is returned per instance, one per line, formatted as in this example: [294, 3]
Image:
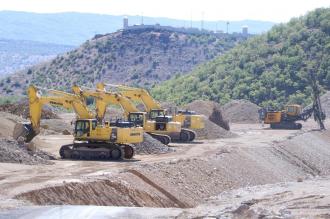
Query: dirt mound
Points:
[105, 192]
[8, 122]
[325, 102]
[12, 152]
[217, 118]
[241, 111]
[216, 125]
[151, 146]
[22, 109]
[212, 131]
[204, 107]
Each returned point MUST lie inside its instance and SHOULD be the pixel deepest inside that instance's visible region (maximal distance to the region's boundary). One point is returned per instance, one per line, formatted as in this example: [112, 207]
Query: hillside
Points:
[140, 57]
[270, 69]
[18, 54]
[75, 28]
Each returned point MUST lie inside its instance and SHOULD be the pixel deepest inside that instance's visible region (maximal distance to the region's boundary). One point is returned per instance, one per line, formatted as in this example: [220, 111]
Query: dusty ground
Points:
[244, 175]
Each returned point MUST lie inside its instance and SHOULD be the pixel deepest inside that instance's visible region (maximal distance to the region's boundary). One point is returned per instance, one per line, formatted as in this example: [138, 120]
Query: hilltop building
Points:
[245, 30]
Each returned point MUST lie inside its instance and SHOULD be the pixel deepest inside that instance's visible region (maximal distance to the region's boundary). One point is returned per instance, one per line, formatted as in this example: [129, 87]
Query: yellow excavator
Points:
[187, 119]
[158, 130]
[287, 118]
[92, 140]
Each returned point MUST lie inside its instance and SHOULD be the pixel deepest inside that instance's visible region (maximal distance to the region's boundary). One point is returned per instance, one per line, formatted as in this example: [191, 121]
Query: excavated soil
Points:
[213, 131]
[216, 125]
[241, 111]
[151, 146]
[103, 193]
[22, 109]
[13, 152]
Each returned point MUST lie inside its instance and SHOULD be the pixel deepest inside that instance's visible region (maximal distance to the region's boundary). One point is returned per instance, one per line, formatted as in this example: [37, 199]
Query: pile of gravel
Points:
[151, 146]
[216, 125]
[204, 107]
[241, 111]
[13, 152]
[212, 131]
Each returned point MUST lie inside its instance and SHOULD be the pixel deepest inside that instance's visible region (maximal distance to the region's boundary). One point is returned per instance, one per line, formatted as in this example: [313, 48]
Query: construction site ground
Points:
[257, 172]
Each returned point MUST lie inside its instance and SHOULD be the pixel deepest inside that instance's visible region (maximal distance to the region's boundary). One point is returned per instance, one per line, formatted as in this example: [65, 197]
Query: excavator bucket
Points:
[24, 132]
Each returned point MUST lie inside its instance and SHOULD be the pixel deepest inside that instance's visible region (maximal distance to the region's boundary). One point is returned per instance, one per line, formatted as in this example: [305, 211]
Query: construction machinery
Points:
[188, 119]
[162, 128]
[287, 119]
[92, 140]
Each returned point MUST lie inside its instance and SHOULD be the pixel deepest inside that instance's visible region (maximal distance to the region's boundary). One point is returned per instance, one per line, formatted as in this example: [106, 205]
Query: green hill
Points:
[270, 69]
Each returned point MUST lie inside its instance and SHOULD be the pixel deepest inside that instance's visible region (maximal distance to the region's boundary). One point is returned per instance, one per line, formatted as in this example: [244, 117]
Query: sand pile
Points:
[12, 152]
[151, 146]
[241, 111]
[22, 109]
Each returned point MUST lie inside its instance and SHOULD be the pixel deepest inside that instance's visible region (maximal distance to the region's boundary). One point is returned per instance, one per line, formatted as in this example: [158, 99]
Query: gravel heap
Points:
[204, 107]
[151, 146]
[241, 111]
[213, 131]
[12, 152]
[216, 125]
[22, 109]
[217, 118]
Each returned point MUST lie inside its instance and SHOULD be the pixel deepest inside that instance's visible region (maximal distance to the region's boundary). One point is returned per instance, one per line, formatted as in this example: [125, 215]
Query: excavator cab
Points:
[137, 118]
[293, 110]
[155, 113]
[82, 127]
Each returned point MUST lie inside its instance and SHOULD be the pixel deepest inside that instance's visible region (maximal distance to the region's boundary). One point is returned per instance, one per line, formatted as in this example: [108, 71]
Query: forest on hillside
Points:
[272, 69]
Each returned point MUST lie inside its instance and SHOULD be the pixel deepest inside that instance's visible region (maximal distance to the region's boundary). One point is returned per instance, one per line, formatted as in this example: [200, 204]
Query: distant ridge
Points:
[72, 28]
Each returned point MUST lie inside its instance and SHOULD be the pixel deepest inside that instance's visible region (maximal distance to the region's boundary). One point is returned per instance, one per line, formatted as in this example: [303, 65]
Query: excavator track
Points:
[96, 151]
[164, 139]
[286, 125]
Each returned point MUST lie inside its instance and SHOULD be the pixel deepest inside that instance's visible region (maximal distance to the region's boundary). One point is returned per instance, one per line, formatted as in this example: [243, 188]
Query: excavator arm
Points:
[36, 102]
[104, 98]
[139, 94]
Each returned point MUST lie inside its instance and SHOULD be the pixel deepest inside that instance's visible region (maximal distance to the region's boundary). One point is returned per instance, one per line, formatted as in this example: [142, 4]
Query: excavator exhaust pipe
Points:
[24, 132]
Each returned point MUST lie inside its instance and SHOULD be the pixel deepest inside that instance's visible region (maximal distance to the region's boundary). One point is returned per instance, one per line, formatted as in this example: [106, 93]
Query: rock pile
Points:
[215, 124]
[151, 146]
[13, 152]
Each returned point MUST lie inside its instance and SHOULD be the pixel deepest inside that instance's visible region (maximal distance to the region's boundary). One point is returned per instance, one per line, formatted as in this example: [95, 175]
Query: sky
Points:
[267, 10]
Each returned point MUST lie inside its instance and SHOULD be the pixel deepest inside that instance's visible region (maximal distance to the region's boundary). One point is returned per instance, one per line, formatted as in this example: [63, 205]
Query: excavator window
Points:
[82, 127]
[156, 113]
[136, 118]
